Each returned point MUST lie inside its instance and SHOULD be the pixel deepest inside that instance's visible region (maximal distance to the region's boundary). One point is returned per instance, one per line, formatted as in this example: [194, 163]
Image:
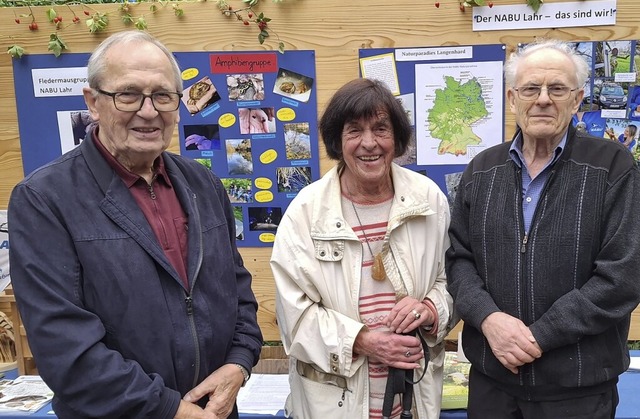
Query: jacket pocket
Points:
[319, 395]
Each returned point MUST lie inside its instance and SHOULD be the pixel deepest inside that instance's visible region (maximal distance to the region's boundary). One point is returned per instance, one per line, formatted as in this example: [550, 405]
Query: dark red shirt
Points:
[160, 205]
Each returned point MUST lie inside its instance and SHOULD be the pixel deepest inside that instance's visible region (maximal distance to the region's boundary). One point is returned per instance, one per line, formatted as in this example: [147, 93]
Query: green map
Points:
[455, 109]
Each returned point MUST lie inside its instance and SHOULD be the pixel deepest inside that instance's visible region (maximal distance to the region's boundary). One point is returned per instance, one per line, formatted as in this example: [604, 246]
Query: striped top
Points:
[377, 298]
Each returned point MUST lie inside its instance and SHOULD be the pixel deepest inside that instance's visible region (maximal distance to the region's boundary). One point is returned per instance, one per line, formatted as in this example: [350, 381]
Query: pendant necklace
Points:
[377, 270]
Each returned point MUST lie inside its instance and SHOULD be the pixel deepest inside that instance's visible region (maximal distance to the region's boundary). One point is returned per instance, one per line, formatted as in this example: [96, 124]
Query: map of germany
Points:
[459, 110]
[456, 107]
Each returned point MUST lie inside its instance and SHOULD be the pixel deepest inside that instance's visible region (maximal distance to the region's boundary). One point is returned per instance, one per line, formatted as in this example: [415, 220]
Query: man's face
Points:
[135, 139]
[544, 118]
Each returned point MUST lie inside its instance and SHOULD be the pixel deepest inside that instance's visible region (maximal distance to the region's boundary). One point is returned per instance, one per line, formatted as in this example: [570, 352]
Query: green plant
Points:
[63, 13]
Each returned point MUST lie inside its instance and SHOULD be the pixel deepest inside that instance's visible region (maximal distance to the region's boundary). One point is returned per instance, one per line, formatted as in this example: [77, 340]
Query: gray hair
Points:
[97, 67]
[580, 65]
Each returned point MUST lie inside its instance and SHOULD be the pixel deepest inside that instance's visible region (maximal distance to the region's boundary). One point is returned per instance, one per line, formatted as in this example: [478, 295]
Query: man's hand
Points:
[222, 387]
[188, 410]
[511, 341]
[389, 348]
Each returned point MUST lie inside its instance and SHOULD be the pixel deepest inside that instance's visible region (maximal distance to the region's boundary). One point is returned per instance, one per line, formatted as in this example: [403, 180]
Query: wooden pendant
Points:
[377, 270]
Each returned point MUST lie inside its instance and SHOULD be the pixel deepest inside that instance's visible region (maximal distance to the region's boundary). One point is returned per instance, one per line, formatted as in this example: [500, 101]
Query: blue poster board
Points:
[250, 117]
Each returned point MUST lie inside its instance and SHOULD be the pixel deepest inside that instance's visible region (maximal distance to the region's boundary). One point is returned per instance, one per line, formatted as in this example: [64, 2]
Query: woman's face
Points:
[626, 132]
[368, 149]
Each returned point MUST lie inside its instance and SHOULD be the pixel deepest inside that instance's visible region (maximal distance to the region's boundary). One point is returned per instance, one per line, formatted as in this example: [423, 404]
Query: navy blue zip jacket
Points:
[113, 330]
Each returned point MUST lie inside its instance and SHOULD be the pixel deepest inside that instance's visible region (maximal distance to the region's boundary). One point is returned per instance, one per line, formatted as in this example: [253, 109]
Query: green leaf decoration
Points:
[141, 24]
[534, 4]
[16, 51]
[56, 45]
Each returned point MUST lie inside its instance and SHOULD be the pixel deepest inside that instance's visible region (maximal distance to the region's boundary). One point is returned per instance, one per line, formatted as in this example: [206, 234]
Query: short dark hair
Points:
[362, 98]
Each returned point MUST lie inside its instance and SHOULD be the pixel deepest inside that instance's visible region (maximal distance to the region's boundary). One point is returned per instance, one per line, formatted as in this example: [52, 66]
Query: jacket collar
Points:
[327, 220]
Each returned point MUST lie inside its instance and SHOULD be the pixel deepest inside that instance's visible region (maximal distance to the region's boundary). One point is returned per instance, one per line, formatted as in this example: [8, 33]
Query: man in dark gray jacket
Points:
[544, 261]
[134, 296]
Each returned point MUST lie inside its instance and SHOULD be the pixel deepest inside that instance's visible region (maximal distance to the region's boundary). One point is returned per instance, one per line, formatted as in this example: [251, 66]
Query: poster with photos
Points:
[251, 118]
[611, 105]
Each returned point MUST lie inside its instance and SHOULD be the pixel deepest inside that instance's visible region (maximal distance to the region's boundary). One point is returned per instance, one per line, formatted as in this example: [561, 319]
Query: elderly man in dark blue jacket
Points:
[543, 265]
[123, 258]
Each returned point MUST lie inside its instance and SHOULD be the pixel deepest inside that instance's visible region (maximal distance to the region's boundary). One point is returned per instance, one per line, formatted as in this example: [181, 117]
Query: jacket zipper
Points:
[189, 299]
[523, 251]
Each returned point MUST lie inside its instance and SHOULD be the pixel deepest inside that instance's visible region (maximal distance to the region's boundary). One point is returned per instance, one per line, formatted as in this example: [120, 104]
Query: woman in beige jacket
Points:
[358, 262]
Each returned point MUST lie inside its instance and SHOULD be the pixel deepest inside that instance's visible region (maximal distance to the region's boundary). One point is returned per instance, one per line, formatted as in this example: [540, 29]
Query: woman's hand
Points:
[391, 349]
[408, 314]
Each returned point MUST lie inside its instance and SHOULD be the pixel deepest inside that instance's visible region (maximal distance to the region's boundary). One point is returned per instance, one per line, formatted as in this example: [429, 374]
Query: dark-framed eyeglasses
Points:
[555, 92]
[133, 101]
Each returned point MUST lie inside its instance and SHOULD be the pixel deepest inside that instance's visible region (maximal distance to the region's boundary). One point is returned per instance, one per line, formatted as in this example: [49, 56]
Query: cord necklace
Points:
[377, 270]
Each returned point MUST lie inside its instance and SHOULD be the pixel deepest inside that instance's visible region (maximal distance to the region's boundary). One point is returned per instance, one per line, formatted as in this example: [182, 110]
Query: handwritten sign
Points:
[550, 15]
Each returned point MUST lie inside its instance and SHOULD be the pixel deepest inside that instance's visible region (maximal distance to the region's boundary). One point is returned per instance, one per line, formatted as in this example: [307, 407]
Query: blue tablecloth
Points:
[628, 387]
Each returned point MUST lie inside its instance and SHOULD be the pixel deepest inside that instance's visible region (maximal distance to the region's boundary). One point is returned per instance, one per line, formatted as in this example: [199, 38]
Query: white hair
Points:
[580, 65]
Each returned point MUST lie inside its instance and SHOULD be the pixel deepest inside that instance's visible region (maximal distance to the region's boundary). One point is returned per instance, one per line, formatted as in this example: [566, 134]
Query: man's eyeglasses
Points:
[555, 92]
[133, 101]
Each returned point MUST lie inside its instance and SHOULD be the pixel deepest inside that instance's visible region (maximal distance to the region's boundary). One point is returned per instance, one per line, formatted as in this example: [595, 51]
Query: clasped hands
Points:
[393, 348]
[510, 340]
[222, 388]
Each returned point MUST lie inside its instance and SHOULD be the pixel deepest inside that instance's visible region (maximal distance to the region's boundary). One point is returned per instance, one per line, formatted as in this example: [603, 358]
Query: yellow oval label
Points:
[263, 196]
[268, 156]
[286, 114]
[226, 120]
[189, 73]
[263, 183]
[267, 237]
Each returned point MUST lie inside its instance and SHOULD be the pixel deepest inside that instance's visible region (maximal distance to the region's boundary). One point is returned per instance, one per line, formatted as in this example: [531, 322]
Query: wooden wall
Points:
[334, 29]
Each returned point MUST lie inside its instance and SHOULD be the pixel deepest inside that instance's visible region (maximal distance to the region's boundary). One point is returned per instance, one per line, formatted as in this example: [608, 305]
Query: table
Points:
[628, 408]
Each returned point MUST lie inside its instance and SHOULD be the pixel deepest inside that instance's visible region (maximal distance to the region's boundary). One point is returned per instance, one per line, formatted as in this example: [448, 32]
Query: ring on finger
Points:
[416, 315]
[407, 354]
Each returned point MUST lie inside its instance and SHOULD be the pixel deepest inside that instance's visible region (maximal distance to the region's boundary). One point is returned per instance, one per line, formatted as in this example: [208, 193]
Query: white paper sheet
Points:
[264, 394]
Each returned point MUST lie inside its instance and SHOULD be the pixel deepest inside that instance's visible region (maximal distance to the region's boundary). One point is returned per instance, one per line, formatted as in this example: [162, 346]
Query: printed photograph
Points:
[245, 87]
[205, 162]
[410, 156]
[633, 103]
[200, 95]
[297, 141]
[72, 128]
[612, 57]
[292, 179]
[293, 85]
[239, 160]
[624, 131]
[239, 217]
[264, 218]
[238, 190]
[257, 120]
[201, 137]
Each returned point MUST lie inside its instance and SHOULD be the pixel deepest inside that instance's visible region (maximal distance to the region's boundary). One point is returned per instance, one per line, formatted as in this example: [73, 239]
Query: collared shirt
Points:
[161, 207]
[532, 188]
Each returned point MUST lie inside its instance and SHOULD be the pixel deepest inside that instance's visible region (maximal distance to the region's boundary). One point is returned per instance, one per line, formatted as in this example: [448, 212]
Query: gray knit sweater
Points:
[574, 280]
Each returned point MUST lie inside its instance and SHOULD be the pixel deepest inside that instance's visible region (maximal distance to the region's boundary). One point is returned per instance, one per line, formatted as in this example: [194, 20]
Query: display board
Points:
[454, 97]
[611, 104]
[249, 117]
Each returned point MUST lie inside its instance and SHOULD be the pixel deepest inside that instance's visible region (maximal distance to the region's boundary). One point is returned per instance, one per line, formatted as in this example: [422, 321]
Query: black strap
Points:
[401, 382]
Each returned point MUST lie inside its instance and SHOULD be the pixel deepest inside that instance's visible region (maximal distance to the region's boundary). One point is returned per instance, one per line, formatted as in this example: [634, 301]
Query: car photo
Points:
[612, 96]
